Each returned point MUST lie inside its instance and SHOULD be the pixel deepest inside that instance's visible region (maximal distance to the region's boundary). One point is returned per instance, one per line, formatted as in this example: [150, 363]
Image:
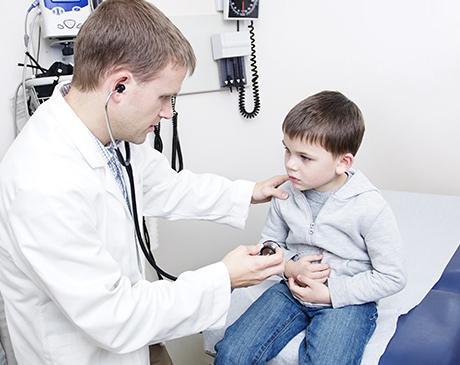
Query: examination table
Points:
[421, 324]
[430, 333]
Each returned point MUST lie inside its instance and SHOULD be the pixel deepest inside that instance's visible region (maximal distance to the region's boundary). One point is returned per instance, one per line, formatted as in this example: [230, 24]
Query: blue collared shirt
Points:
[115, 167]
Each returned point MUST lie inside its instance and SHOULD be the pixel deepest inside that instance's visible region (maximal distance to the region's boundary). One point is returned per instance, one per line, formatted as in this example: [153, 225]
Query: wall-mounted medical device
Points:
[59, 23]
[230, 50]
[241, 9]
[61, 20]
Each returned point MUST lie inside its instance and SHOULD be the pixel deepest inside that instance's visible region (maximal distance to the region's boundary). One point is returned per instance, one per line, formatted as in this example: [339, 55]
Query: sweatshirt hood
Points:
[356, 184]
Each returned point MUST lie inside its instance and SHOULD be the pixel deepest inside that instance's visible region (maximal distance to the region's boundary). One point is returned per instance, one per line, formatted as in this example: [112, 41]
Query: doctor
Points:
[71, 273]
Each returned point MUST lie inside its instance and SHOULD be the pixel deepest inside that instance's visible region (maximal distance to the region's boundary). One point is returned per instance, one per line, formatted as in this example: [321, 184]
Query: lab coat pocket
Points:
[64, 343]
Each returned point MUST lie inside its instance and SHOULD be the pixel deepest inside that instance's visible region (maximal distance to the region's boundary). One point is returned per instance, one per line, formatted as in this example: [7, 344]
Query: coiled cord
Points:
[254, 81]
[176, 149]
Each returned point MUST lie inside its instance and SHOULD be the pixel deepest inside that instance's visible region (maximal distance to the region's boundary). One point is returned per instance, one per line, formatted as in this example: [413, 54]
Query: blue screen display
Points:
[67, 5]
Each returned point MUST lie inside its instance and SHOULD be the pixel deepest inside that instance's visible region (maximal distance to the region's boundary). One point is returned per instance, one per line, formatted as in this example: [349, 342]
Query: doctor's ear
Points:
[120, 88]
[117, 84]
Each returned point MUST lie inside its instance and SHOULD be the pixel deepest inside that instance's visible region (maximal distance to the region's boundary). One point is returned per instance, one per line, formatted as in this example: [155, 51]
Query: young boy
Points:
[335, 213]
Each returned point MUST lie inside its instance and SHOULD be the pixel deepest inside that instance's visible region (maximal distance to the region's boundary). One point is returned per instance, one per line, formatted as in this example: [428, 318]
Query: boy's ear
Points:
[344, 163]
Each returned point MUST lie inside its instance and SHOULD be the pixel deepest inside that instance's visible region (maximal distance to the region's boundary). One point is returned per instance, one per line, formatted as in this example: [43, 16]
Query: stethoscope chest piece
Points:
[269, 248]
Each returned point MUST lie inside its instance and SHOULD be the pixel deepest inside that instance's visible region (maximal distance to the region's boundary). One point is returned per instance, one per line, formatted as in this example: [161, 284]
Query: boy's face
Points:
[310, 166]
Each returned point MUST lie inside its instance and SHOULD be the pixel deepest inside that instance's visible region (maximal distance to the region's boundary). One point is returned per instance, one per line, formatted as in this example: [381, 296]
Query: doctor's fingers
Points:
[260, 262]
[256, 276]
[249, 250]
[253, 249]
[265, 190]
[274, 189]
[265, 261]
[273, 264]
[246, 269]
[267, 265]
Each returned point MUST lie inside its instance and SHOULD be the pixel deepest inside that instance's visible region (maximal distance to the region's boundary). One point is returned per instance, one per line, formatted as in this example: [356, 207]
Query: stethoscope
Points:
[144, 243]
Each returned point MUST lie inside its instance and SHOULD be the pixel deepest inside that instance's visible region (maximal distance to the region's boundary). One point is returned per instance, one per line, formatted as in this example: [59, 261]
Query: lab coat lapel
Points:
[72, 126]
[85, 142]
[111, 186]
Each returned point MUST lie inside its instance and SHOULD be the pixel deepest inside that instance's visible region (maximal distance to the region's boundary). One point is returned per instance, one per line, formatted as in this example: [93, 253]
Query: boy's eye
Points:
[305, 158]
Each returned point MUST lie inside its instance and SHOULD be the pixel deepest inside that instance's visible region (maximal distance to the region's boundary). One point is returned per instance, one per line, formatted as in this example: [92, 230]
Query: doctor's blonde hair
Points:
[132, 34]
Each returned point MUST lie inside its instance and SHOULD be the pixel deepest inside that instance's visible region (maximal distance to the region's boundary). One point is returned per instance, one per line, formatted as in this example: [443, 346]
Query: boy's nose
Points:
[291, 164]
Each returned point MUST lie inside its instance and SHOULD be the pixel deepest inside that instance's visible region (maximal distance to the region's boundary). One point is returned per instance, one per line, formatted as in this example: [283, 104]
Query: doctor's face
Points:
[310, 166]
[146, 103]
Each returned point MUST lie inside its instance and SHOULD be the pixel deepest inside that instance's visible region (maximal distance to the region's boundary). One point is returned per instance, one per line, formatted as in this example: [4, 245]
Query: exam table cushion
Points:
[430, 333]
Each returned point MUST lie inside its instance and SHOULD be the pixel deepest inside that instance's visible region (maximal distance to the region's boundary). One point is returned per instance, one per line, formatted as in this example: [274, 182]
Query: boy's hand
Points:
[308, 266]
[246, 267]
[265, 190]
[308, 290]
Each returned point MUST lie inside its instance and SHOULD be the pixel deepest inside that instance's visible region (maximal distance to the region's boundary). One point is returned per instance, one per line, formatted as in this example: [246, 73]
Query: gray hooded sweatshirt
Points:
[355, 231]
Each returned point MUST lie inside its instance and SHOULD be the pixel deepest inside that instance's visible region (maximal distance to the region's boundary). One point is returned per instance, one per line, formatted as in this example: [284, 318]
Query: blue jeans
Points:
[333, 336]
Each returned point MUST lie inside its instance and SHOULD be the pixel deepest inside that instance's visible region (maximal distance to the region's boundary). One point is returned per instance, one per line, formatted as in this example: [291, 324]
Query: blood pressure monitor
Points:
[62, 19]
[241, 9]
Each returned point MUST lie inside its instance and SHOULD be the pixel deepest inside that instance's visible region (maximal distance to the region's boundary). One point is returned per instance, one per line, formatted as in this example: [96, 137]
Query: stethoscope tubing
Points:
[126, 162]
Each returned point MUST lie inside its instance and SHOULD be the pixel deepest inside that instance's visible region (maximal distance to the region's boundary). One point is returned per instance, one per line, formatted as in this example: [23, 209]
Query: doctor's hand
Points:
[308, 290]
[265, 190]
[247, 268]
[309, 266]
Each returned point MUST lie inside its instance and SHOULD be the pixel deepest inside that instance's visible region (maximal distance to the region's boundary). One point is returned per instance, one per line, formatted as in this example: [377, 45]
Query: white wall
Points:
[398, 60]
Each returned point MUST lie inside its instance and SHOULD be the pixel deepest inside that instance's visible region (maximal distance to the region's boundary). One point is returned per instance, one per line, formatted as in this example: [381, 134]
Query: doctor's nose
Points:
[166, 111]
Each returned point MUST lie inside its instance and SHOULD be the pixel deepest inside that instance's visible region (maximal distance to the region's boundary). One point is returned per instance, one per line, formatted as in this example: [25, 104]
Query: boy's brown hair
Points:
[128, 33]
[329, 119]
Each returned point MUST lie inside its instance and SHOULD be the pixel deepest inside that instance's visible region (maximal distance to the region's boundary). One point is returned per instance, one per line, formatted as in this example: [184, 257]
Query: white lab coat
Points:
[70, 271]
